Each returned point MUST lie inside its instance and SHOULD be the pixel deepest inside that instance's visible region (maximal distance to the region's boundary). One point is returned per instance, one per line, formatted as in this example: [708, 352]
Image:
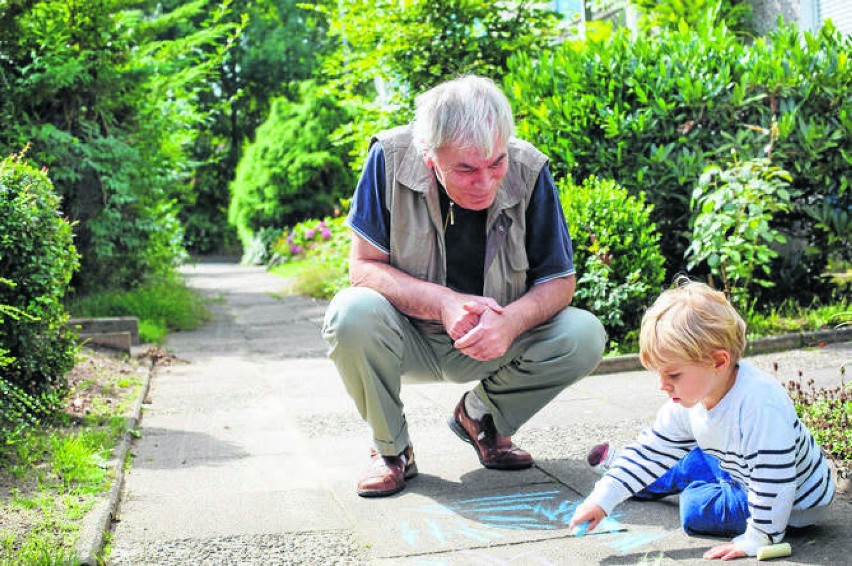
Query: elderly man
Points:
[462, 270]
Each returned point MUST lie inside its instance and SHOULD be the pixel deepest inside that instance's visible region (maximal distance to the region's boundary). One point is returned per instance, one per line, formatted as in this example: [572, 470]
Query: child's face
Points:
[690, 382]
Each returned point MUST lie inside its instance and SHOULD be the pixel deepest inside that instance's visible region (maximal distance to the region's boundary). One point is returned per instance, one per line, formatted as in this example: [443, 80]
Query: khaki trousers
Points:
[374, 347]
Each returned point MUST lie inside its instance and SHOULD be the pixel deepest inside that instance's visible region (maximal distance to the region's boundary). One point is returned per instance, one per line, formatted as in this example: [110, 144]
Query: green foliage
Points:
[315, 254]
[827, 413]
[734, 208]
[790, 317]
[37, 260]
[736, 14]
[107, 94]
[280, 47]
[54, 473]
[161, 304]
[652, 111]
[292, 171]
[19, 412]
[389, 51]
[616, 252]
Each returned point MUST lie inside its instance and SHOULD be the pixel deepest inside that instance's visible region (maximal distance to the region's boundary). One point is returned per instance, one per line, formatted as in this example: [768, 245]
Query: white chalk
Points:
[774, 551]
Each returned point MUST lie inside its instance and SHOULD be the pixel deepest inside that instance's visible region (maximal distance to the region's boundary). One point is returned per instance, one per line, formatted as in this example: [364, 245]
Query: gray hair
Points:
[467, 112]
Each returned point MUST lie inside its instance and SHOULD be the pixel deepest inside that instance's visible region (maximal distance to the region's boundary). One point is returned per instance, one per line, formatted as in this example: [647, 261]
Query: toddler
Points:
[728, 441]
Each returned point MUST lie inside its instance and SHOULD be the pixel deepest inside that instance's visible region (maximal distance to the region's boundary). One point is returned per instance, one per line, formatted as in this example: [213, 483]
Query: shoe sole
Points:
[409, 473]
[457, 428]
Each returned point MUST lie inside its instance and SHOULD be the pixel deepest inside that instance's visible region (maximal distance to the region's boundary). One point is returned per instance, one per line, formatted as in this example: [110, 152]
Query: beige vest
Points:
[417, 243]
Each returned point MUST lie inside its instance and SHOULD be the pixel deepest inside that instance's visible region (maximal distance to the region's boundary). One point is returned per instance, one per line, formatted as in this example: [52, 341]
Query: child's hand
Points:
[727, 551]
[587, 513]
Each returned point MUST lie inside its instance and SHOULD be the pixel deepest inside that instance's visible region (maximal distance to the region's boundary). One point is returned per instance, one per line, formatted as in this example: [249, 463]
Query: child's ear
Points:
[721, 359]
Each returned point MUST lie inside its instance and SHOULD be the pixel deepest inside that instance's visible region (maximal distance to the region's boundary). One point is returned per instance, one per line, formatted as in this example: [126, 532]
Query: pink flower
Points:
[295, 250]
[310, 234]
[326, 233]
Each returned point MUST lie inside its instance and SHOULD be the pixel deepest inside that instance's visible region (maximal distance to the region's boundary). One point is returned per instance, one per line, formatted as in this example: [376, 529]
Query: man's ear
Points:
[428, 159]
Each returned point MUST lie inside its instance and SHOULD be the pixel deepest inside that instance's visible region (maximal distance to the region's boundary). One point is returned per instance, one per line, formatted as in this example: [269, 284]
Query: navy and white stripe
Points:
[756, 436]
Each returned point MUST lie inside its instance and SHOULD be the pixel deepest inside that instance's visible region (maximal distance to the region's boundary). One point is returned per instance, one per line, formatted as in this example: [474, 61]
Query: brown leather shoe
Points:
[494, 450]
[387, 474]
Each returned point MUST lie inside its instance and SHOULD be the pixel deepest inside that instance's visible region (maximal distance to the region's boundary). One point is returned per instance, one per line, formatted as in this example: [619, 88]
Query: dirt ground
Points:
[103, 383]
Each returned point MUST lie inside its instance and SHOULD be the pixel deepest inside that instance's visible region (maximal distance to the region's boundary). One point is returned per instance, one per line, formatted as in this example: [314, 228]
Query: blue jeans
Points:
[711, 501]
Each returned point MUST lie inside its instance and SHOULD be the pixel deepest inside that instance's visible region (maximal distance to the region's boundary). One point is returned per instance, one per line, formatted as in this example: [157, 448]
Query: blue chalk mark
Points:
[525, 527]
[547, 495]
[409, 535]
[479, 535]
[628, 542]
[581, 529]
[504, 508]
[561, 513]
[436, 531]
[505, 518]
[610, 524]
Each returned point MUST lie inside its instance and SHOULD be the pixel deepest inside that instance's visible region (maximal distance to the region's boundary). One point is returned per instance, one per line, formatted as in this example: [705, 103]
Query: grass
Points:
[54, 474]
[790, 317]
[162, 305]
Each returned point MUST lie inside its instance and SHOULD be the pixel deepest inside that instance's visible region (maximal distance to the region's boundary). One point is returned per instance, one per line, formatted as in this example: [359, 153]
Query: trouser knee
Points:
[582, 341]
[713, 508]
[353, 317]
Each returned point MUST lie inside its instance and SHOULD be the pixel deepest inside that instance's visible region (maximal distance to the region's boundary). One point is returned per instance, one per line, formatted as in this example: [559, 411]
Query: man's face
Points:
[470, 177]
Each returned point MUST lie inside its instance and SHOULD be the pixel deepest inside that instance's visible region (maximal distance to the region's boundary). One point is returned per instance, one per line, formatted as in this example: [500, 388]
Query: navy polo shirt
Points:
[548, 243]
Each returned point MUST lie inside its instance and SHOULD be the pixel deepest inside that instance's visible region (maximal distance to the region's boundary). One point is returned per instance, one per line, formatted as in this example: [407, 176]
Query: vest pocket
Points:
[516, 277]
[412, 251]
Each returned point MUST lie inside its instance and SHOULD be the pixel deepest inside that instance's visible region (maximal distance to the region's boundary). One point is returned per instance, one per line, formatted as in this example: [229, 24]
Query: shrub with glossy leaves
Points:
[616, 253]
[37, 260]
[652, 111]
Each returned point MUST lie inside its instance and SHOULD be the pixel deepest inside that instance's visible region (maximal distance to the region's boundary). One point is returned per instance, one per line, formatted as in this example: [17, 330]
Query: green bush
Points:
[672, 13]
[315, 254]
[651, 111]
[827, 413]
[162, 304]
[38, 256]
[19, 412]
[292, 171]
[731, 228]
[616, 252]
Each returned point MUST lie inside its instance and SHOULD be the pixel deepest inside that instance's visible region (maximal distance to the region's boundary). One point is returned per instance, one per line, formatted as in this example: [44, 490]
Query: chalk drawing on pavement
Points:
[492, 517]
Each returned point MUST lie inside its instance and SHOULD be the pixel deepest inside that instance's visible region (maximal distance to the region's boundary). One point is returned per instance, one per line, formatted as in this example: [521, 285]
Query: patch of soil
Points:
[101, 382]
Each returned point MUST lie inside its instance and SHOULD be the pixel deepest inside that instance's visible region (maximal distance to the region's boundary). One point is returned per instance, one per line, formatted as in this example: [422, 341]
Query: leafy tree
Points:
[389, 51]
[651, 111]
[106, 91]
[669, 14]
[292, 171]
[616, 253]
[280, 46]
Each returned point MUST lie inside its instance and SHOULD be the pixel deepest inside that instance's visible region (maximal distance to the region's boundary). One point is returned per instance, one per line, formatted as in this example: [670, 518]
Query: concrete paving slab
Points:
[251, 448]
[168, 517]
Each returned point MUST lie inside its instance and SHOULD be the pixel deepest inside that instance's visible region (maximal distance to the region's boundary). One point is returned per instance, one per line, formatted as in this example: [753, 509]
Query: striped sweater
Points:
[758, 439]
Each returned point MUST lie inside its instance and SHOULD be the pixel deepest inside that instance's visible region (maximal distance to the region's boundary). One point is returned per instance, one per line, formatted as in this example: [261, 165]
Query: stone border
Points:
[782, 342]
[98, 520]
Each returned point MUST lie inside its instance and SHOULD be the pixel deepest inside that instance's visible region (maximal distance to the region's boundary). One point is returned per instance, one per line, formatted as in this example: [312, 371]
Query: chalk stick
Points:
[774, 551]
[581, 529]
